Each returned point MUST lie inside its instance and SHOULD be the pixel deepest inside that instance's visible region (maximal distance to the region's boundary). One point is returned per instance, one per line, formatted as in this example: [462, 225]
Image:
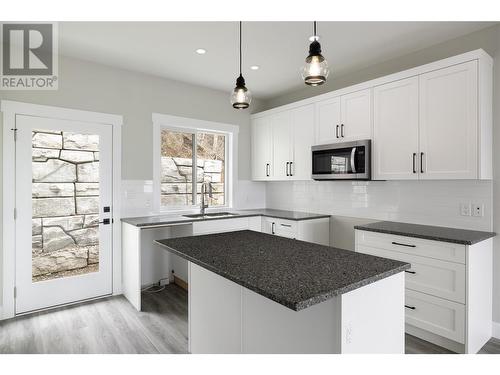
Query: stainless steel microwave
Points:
[342, 161]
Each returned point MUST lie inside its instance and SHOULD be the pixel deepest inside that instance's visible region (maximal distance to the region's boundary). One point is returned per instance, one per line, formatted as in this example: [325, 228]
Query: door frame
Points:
[10, 109]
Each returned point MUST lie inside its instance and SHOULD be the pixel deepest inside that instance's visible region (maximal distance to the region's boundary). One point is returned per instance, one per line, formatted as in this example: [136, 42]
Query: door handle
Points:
[421, 162]
[414, 160]
[342, 130]
[287, 164]
[286, 225]
[267, 170]
[337, 131]
[272, 228]
[412, 272]
[105, 221]
[353, 160]
[291, 170]
[410, 307]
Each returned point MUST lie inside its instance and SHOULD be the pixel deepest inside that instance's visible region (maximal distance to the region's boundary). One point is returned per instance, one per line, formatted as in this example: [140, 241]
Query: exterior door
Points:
[395, 130]
[63, 198]
[448, 122]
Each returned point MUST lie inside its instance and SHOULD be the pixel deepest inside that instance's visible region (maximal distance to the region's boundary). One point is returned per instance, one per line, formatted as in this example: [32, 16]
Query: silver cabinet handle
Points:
[402, 244]
[421, 162]
[286, 169]
[353, 161]
[414, 160]
[267, 170]
[409, 271]
[337, 131]
[342, 130]
[272, 228]
[286, 225]
[410, 307]
[291, 170]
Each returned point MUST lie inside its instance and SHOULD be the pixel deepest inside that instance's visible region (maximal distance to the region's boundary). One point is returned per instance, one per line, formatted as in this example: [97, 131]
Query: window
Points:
[180, 182]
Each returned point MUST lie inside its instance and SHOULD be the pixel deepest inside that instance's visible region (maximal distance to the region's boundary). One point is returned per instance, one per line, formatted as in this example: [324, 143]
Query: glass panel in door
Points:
[65, 204]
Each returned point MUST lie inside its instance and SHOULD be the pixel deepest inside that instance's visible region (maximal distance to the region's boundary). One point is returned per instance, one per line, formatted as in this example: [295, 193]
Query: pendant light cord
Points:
[240, 48]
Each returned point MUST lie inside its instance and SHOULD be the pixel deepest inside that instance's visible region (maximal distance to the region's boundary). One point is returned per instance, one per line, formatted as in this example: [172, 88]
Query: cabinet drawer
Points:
[286, 228]
[415, 246]
[437, 315]
[218, 226]
[431, 276]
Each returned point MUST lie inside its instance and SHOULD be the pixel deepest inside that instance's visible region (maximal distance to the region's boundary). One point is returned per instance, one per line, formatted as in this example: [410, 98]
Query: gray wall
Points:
[487, 39]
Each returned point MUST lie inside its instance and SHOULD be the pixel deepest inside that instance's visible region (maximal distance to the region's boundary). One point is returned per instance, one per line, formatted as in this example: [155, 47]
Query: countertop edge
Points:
[488, 235]
[297, 306]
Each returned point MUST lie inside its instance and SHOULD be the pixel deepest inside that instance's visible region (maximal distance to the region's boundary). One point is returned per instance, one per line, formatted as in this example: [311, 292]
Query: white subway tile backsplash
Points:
[421, 202]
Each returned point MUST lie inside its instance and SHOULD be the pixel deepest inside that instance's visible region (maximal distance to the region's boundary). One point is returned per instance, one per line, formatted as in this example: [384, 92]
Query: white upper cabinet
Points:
[395, 130]
[282, 144]
[356, 114]
[430, 122]
[345, 118]
[328, 124]
[302, 122]
[262, 149]
[449, 122]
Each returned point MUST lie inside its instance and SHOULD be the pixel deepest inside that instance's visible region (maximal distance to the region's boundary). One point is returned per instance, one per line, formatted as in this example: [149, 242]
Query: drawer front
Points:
[219, 226]
[431, 276]
[415, 246]
[436, 315]
[286, 228]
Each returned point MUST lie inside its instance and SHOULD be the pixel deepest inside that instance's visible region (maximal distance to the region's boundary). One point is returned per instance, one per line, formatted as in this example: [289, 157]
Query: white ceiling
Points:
[167, 49]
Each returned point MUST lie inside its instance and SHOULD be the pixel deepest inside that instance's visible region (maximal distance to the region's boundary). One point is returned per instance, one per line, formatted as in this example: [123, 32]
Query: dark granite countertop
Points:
[159, 220]
[294, 273]
[428, 232]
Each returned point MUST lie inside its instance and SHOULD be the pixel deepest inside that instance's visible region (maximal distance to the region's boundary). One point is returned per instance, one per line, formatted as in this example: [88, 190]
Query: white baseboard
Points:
[495, 332]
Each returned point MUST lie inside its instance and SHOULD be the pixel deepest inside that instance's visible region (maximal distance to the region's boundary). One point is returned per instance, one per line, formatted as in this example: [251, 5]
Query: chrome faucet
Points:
[203, 192]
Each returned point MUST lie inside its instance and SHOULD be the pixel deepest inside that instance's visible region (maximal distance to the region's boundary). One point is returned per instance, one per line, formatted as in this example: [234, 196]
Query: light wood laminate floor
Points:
[112, 325]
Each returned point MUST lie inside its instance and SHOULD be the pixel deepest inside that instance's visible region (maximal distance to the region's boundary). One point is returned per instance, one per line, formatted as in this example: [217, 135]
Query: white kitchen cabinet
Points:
[345, 118]
[282, 144]
[448, 287]
[328, 124]
[262, 149]
[449, 122]
[395, 130]
[302, 123]
[313, 230]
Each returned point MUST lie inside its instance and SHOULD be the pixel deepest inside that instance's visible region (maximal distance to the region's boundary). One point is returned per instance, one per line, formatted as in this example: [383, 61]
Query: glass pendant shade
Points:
[315, 71]
[241, 97]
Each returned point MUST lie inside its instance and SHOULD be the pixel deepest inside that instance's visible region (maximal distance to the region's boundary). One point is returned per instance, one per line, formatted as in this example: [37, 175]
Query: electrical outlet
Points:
[465, 209]
[477, 209]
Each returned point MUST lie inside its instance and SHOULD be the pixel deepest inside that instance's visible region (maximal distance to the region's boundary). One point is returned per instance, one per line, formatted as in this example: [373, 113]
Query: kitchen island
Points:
[251, 292]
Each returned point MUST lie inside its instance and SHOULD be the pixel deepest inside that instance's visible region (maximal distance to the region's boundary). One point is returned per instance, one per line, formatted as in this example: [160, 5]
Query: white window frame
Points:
[184, 124]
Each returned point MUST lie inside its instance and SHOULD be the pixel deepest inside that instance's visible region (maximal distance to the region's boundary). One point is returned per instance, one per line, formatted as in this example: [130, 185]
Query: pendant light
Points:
[240, 96]
[316, 70]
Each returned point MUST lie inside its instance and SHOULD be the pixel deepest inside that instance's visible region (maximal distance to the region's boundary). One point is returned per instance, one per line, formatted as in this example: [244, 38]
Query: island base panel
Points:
[225, 317]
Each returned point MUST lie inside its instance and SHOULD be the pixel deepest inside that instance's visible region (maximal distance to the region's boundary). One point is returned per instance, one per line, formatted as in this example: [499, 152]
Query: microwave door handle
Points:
[353, 161]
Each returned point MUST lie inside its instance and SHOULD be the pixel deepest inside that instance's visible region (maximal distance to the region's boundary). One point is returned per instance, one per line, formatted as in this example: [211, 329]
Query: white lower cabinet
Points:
[448, 287]
[314, 230]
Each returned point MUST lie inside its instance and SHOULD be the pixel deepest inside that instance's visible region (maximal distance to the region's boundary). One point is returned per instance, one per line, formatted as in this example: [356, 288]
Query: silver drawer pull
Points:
[286, 225]
[410, 307]
[402, 244]
[412, 272]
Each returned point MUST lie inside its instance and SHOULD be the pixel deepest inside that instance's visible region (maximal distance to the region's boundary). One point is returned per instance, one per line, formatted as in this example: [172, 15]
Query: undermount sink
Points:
[211, 214]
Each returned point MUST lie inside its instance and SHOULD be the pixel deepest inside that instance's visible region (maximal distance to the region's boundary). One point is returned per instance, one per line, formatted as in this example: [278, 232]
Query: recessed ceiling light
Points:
[255, 67]
[201, 51]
